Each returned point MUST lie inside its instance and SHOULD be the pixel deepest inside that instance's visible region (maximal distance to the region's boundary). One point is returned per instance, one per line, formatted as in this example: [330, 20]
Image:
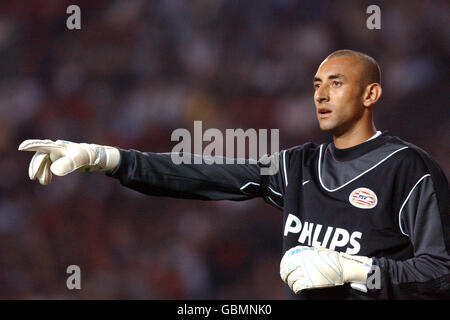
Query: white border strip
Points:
[245, 185]
[406, 200]
[284, 164]
[274, 203]
[358, 176]
[277, 193]
[257, 184]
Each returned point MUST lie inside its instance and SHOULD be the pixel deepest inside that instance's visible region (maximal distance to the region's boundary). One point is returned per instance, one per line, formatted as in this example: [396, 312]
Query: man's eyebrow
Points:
[331, 77]
[336, 76]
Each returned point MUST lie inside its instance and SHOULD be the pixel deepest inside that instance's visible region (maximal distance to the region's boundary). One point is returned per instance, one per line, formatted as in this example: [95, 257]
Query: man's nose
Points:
[322, 95]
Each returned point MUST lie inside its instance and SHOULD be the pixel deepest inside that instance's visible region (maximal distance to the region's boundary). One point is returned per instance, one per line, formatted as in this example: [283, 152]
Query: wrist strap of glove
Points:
[356, 268]
[107, 158]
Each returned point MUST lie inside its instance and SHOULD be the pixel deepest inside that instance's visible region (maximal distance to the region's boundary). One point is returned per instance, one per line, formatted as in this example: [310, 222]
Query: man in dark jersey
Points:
[367, 206]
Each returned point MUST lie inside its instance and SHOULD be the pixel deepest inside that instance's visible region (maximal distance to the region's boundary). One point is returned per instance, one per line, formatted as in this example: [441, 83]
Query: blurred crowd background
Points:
[136, 71]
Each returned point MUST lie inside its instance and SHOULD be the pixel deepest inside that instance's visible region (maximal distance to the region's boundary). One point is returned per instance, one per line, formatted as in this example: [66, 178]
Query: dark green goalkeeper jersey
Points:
[385, 199]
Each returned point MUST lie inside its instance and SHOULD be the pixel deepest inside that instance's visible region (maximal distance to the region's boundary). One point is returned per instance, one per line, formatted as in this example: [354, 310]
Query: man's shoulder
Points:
[415, 159]
[303, 151]
[412, 151]
[307, 146]
[413, 154]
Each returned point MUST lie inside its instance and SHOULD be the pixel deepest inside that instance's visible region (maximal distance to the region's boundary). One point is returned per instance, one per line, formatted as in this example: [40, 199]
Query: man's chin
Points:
[334, 130]
[330, 128]
[327, 127]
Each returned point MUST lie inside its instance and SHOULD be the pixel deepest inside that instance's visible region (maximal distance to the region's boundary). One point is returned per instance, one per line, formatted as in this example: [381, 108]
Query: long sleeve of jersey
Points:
[197, 178]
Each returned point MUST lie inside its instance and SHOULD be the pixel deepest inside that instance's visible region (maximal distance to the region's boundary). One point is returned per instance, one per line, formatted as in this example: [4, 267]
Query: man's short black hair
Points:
[371, 67]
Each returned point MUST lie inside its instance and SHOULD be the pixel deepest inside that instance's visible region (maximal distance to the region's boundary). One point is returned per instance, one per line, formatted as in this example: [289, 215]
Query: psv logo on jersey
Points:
[363, 198]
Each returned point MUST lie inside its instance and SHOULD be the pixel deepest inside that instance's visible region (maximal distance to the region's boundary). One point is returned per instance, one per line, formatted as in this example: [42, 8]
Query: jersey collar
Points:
[360, 149]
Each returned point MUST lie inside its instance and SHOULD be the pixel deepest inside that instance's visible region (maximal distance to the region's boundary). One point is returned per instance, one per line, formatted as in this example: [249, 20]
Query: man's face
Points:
[338, 93]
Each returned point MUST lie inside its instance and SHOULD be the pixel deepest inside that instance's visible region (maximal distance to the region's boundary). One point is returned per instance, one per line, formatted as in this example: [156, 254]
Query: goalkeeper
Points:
[368, 206]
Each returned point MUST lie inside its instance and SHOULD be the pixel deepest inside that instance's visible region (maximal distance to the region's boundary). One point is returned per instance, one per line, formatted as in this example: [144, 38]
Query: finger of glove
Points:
[62, 166]
[288, 265]
[56, 149]
[36, 164]
[45, 176]
[286, 271]
[296, 275]
[299, 285]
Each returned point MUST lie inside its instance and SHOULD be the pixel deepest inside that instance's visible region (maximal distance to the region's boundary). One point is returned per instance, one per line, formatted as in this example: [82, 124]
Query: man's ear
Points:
[371, 94]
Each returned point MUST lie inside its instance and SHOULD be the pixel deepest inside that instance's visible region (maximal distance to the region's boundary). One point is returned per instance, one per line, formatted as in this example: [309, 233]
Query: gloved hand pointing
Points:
[63, 157]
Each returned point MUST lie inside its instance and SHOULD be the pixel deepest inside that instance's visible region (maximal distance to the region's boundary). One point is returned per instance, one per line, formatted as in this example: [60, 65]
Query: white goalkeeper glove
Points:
[63, 157]
[309, 268]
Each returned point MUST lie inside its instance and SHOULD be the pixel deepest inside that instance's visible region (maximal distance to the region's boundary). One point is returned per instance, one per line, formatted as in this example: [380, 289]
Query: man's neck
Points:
[353, 137]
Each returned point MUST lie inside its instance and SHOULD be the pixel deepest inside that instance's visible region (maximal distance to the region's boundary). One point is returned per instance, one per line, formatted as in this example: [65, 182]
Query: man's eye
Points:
[336, 83]
[316, 86]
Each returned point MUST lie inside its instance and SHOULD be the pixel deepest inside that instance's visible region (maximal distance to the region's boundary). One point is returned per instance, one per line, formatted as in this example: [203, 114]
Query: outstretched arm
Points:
[158, 174]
